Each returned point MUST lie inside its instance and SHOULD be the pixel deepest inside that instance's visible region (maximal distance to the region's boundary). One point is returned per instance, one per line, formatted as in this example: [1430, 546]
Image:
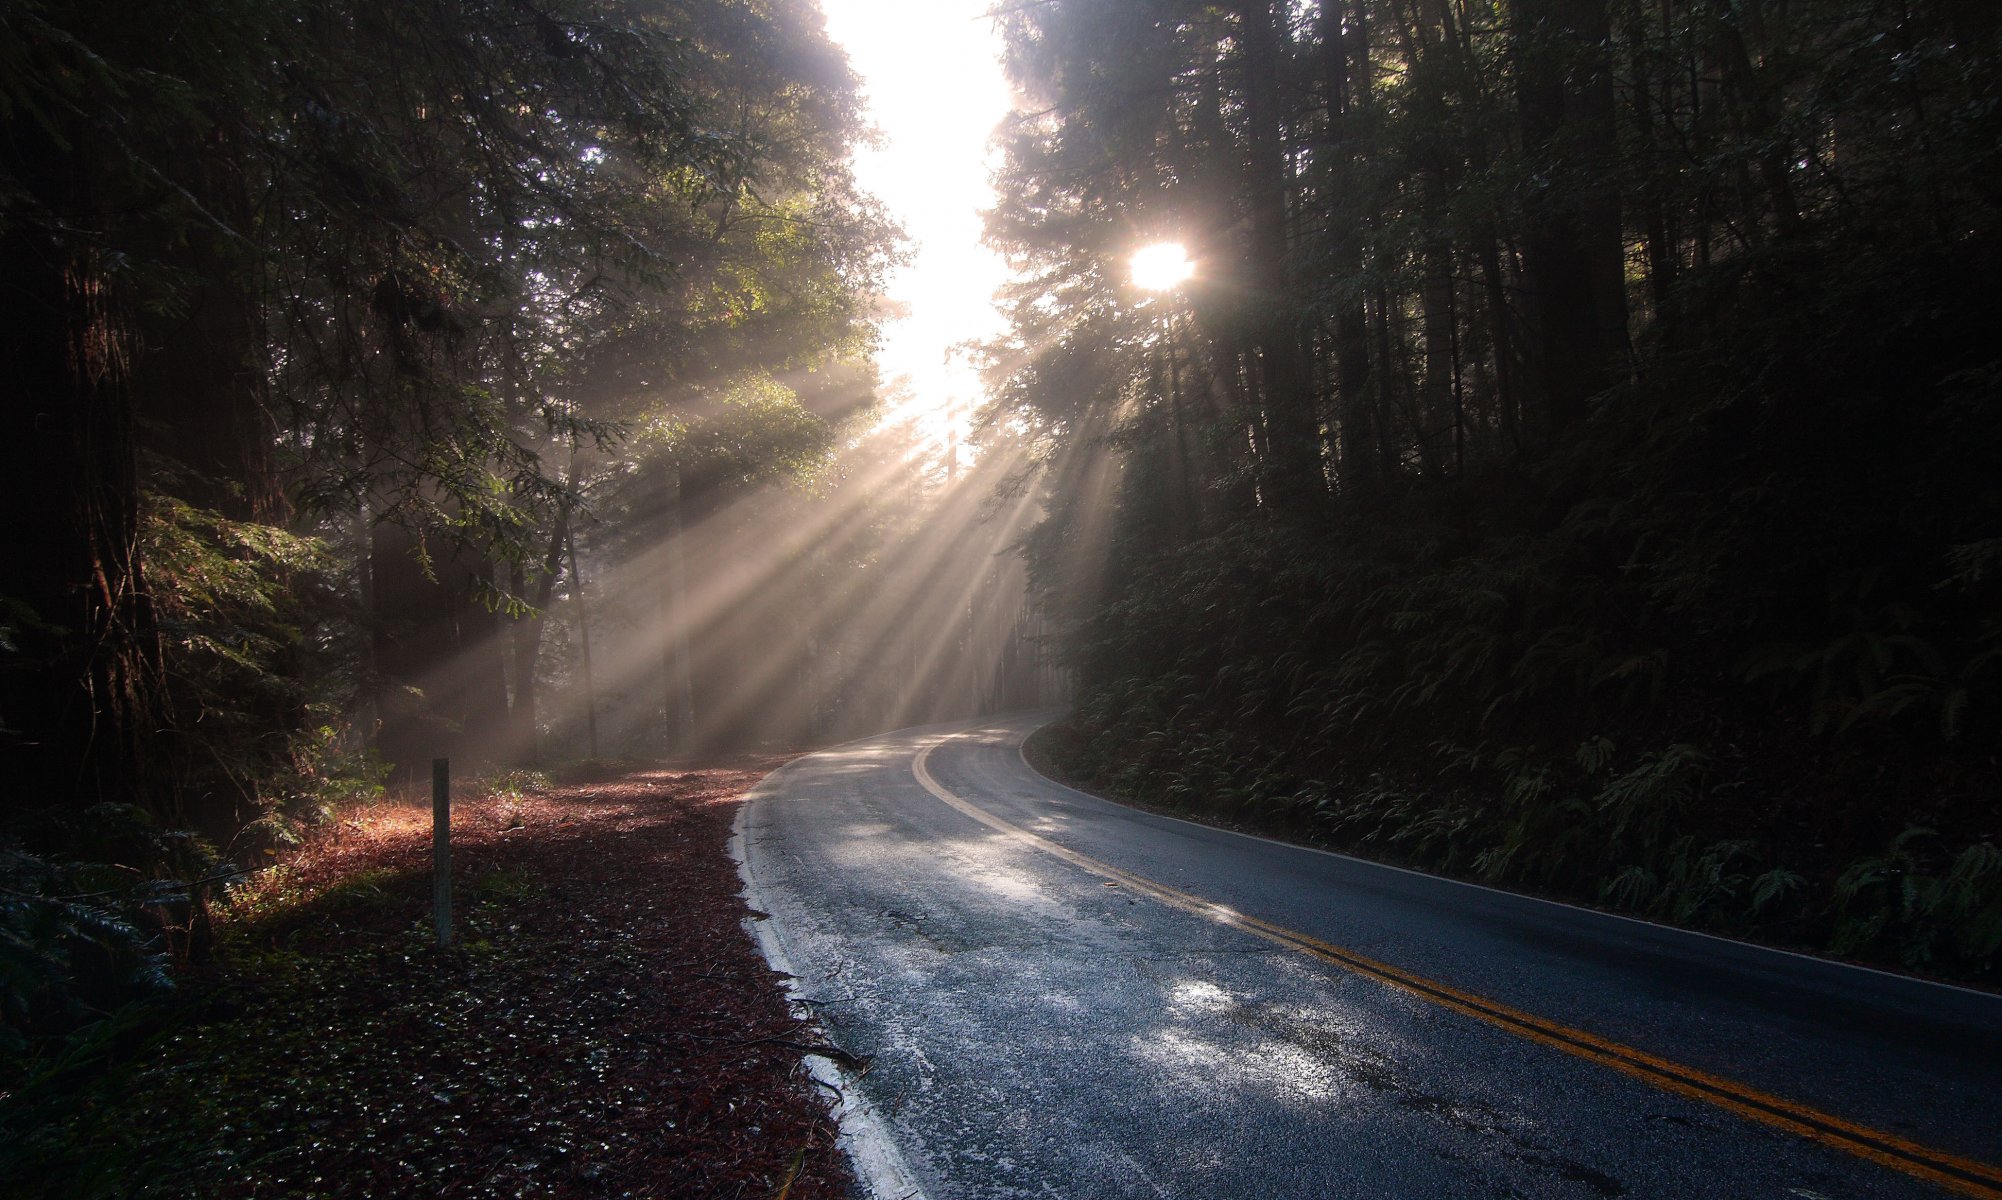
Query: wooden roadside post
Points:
[441, 848]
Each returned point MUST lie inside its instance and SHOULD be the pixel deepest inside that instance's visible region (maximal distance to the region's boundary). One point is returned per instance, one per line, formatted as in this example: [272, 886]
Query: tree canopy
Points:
[330, 332]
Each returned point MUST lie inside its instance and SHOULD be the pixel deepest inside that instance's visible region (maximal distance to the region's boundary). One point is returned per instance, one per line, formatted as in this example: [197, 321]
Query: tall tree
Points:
[1574, 252]
[1293, 471]
[401, 262]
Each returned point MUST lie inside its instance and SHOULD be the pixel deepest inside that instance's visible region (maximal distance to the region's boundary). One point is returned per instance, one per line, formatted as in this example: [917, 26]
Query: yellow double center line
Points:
[1964, 1176]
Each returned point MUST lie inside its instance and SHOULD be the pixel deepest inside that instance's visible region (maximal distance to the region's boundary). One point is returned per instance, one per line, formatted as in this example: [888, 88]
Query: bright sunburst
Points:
[1161, 266]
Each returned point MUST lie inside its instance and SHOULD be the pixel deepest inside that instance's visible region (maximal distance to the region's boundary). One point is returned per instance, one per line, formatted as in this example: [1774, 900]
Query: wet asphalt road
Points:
[1036, 1032]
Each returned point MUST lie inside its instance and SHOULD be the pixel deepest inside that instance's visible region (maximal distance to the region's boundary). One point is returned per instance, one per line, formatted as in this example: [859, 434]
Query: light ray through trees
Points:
[880, 589]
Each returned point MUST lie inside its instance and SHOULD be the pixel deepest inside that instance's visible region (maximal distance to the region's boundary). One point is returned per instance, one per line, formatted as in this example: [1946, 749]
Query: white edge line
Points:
[1022, 753]
[864, 1133]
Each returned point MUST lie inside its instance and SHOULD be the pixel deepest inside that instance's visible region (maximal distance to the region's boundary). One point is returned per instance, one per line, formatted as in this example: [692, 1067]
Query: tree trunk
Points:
[1650, 73]
[1756, 113]
[1292, 475]
[680, 673]
[583, 642]
[1574, 257]
[525, 645]
[202, 380]
[1345, 66]
[79, 702]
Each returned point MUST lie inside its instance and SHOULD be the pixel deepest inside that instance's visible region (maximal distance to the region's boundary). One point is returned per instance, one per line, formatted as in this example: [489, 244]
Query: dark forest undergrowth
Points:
[1914, 906]
[603, 1027]
[1731, 661]
[1571, 462]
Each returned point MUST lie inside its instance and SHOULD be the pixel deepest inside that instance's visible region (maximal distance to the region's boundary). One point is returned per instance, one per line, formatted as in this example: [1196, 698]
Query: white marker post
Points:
[441, 848]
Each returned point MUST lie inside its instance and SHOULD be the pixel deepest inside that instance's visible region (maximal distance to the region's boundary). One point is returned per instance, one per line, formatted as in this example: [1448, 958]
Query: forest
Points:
[1571, 462]
[488, 380]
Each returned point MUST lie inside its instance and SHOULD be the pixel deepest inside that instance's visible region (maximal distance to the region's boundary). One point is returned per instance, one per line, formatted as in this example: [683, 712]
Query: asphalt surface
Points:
[1039, 1028]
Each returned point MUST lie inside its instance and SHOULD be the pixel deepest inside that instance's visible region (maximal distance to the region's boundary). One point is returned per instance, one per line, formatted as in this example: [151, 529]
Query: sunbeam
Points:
[792, 547]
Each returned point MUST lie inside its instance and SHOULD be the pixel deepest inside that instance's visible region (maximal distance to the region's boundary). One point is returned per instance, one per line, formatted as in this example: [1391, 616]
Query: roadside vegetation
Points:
[1571, 462]
[603, 1025]
[352, 351]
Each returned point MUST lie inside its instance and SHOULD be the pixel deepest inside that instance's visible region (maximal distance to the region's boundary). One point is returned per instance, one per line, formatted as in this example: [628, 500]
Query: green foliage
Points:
[1383, 685]
[227, 1078]
[1928, 908]
[750, 428]
[437, 260]
[350, 279]
[86, 947]
[1699, 655]
[1647, 801]
[247, 615]
[517, 782]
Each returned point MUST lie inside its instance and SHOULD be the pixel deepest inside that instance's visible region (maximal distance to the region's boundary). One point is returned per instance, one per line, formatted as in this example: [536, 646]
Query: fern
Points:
[1646, 801]
[1702, 887]
[1594, 754]
[1774, 887]
[1633, 889]
[70, 961]
[1900, 897]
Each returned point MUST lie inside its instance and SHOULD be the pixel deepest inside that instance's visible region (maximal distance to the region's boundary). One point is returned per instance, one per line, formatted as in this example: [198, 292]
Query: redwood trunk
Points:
[1572, 250]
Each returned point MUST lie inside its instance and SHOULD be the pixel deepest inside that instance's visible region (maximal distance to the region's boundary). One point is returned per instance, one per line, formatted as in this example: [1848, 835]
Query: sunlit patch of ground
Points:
[605, 1026]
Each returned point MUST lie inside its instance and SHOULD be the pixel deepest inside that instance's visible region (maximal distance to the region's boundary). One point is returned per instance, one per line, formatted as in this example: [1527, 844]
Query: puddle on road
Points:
[1316, 1055]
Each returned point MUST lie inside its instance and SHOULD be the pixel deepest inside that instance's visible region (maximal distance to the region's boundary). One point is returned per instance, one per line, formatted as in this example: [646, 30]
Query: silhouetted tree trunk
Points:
[583, 642]
[525, 644]
[1292, 476]
[1650, 68]
[1754, 111]
[1345, 67]
[79, 697]
[1572, 250]
[203, 377]
[680, 673]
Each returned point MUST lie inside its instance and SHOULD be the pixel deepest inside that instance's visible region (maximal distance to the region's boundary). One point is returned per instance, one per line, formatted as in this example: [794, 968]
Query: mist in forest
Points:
[877, 587]
[1552, 437]
[513, 393]
[715, 604]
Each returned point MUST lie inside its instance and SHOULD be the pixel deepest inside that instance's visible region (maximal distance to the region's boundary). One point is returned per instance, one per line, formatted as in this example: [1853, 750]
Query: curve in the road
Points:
[1963, 1176]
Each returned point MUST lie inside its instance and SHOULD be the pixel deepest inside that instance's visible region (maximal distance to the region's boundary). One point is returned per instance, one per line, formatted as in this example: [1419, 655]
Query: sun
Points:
[1161, 266]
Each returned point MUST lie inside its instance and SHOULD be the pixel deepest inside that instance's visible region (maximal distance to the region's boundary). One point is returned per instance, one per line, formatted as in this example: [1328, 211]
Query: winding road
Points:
[1058, 996]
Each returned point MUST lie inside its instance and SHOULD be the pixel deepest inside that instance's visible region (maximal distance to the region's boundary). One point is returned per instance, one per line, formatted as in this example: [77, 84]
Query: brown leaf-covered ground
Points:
[604, 1028]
